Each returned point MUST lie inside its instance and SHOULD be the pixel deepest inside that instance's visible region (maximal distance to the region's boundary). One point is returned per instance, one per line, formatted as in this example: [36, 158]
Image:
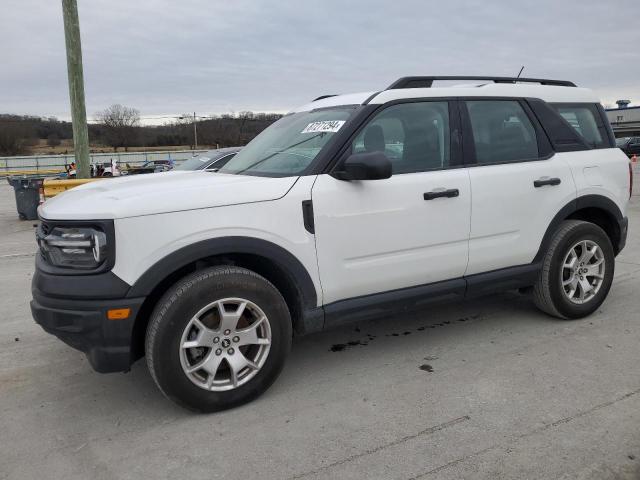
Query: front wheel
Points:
[218, 338]
[577, 271]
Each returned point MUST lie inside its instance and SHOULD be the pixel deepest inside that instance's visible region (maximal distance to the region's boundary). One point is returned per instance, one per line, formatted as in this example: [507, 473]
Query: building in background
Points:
[625, 120]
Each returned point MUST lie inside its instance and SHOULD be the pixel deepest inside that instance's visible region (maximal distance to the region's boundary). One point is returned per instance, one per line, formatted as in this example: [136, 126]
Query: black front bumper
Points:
[82, 322]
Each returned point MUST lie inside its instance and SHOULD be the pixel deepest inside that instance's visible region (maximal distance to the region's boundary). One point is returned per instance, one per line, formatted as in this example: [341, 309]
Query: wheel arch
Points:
[596, 209]
[267, 259]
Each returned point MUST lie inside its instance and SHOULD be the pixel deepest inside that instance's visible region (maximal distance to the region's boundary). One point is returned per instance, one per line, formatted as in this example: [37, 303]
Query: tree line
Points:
[119, 127]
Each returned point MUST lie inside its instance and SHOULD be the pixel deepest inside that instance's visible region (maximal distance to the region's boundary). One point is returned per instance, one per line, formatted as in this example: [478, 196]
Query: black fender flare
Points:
[587, 201]
[285, 260]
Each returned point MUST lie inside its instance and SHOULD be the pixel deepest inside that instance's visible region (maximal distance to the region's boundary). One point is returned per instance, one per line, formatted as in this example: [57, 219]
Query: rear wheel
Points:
[577, 271]
[218, 338]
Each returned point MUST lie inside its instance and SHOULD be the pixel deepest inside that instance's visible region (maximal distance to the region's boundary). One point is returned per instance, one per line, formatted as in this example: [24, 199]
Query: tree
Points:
[121, 125]
[53, 140]
[15, 137]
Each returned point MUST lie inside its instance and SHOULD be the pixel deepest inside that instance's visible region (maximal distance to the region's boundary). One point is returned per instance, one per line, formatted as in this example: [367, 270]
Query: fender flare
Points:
[587, 201]
[155, 274]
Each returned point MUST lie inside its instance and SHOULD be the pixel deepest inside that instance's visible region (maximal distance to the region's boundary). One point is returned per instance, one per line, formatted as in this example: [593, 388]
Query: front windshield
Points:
[288, 146]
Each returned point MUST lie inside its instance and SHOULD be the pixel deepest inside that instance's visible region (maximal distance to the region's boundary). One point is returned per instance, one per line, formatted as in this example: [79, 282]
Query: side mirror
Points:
[365, 166]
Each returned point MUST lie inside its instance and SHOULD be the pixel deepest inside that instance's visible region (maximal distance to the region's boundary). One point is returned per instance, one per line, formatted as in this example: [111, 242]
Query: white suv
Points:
[349, 207]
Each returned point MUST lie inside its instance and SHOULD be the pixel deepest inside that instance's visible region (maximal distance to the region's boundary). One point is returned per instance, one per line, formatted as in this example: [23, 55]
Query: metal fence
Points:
[58, 162]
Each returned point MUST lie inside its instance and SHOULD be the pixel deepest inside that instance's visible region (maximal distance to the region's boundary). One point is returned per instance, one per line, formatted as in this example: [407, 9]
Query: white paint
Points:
[613, 174]
[379, 235]
[510, 215]
[138, 195]
[144, 240]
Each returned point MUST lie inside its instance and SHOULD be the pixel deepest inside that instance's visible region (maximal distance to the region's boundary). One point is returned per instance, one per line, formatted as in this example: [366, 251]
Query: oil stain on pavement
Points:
[339, 347]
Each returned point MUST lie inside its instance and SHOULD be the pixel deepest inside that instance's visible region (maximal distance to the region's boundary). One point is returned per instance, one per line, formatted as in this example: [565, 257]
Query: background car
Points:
[151, 166]
[210, 160]
[629, 145]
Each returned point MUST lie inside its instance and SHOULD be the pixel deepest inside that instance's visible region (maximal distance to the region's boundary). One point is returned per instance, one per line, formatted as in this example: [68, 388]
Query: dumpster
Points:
[27, 190]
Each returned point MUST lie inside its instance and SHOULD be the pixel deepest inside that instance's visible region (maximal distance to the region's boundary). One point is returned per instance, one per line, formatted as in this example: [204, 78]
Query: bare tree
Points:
[15, 138]
[121, 125]
[53, 140]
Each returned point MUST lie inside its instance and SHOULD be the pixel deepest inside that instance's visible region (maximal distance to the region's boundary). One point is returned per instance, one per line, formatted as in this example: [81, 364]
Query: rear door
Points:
[517, 183]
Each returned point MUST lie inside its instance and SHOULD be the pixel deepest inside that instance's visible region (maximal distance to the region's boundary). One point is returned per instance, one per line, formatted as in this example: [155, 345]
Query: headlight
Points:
[74, 247]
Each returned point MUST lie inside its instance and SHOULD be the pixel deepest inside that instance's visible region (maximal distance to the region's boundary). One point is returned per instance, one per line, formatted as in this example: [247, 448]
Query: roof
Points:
[616, 109]
[549, 93]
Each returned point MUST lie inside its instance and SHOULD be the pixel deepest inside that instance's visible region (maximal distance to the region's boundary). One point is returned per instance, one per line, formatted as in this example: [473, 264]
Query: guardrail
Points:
[52, 187]
[57, 163]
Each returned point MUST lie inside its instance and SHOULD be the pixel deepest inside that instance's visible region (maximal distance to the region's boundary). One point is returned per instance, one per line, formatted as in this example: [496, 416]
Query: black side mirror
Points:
[365, 166]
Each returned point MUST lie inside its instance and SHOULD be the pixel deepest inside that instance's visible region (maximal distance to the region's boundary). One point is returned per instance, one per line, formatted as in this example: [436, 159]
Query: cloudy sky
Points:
[167, 57]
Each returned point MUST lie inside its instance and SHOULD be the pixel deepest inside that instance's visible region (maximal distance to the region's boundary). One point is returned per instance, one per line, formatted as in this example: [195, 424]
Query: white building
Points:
[625, 120]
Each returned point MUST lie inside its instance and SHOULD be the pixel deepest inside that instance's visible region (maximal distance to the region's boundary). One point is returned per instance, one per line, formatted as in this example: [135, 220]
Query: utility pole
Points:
[76, 87]
[195, 132]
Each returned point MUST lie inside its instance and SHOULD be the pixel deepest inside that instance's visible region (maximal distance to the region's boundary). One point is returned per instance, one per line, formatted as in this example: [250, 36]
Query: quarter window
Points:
[414, 136]
[583, 119]
[502, 131]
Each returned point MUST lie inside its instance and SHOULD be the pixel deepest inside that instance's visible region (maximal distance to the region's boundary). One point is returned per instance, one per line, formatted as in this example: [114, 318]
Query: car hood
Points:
[161, 193]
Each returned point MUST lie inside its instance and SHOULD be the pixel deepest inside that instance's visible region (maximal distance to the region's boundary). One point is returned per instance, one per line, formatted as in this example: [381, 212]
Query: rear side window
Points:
[585, 119]
[502, 132]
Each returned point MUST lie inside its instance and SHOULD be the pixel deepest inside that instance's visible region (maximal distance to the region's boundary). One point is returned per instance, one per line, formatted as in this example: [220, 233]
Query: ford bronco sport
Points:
[348, 207]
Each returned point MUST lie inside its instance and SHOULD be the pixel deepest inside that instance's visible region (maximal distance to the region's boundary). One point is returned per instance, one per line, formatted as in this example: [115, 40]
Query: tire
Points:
[185, 316]
[570, 240]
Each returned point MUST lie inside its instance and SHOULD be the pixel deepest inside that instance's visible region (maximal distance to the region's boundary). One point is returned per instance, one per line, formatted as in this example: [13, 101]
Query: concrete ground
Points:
[487, 389]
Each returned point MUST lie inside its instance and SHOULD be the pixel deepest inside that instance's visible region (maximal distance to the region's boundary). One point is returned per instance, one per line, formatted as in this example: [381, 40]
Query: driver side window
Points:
[414, 136]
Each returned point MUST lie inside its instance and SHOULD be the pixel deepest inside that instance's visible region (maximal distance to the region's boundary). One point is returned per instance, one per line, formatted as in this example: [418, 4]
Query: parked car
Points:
[211, 160]
[629, 145]
[105, 169]
[350, 207]
[151, 166]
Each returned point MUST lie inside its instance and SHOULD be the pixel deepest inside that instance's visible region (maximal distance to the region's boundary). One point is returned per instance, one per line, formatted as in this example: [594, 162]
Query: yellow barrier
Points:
[53, 187]
[10, 173]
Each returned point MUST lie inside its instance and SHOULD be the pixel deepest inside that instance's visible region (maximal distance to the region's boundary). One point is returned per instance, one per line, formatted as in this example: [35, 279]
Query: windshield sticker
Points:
[325, 126]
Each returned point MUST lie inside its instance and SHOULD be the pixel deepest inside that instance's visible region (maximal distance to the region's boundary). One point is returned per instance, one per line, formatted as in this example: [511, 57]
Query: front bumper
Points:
[82, 322]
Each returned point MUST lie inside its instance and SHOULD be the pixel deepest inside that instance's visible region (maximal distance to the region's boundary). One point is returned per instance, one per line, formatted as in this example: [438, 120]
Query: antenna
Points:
[520, 72]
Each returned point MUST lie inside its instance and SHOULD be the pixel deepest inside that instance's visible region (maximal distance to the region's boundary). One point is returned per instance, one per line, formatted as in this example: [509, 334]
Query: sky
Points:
[169, 57]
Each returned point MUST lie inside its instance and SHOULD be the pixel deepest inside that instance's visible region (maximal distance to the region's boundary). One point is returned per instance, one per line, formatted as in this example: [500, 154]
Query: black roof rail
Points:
[324, 96]
[427, 82]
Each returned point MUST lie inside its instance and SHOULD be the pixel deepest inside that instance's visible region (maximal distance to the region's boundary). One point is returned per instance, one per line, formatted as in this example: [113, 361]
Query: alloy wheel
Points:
[583, 271]
[225, 344]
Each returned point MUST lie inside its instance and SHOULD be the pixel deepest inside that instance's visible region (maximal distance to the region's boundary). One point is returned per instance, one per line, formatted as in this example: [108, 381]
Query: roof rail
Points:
[323, 96]
[427, 82]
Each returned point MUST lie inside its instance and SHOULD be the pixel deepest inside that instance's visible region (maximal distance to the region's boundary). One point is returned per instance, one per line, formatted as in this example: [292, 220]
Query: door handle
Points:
[450, 193]
[541, 182]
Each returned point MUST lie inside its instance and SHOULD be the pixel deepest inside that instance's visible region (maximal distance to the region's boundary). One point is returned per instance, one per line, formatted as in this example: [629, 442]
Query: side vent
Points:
[307, 216]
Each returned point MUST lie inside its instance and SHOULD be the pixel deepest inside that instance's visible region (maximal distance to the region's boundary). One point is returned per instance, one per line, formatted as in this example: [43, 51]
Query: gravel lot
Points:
[489, 388]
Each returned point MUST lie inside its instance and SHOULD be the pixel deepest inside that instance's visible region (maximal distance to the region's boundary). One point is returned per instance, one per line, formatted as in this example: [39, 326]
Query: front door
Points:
[411, 229]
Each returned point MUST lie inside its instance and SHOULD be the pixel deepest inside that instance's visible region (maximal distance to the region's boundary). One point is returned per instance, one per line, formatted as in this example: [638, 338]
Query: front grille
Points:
[45, 228]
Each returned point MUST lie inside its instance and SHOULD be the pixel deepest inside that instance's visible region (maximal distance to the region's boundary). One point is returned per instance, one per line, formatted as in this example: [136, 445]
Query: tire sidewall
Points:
[565, 307]
[179, 306]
